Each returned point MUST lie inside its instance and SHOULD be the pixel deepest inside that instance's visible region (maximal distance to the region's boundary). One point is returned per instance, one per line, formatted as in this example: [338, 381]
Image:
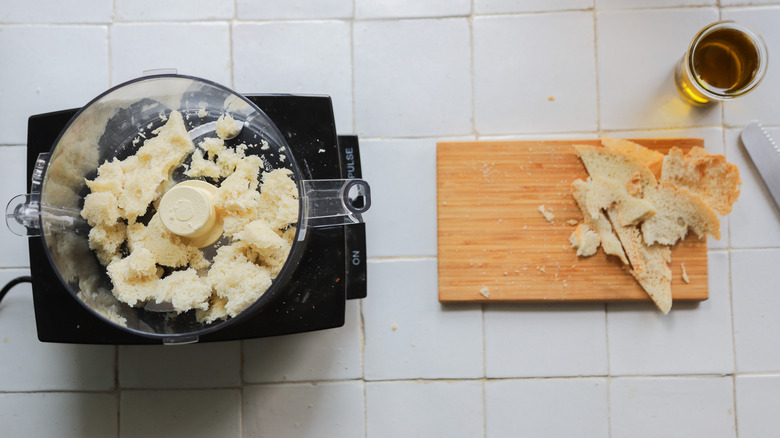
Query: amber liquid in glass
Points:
[725, 61]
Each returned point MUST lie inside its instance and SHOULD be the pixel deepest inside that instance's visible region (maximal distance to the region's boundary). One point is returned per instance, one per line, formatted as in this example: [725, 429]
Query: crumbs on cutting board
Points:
[685, 277]
[484, 291]
[547, 213]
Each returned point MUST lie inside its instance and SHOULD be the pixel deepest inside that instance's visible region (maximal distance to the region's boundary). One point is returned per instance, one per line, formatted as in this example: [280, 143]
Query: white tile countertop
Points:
[404, 75]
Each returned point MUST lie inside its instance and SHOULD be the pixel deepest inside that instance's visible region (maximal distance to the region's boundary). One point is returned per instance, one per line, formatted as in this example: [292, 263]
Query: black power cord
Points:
[12, 283]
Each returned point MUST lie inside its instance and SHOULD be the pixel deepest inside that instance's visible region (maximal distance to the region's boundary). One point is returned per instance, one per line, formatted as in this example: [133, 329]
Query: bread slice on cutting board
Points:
[585, 240]
[616, 165]
[649, 264]
[677, 211]
[650, 158]
[609, 241]
[604, 192]
[709, 176]
[644, 216]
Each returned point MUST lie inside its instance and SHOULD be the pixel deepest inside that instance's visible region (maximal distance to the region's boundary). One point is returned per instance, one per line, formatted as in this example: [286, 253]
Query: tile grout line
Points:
[353, 103]
[109, 31]
[484, 372]
[231, 24]
[240, 387]
[352, 68]
[733, 343]
[730, 282]
[470, 18]
[730, 270]
[475, 133]
[599, 133]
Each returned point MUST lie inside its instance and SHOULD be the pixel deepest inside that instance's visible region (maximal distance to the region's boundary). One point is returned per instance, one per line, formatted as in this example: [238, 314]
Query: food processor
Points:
[72, 292]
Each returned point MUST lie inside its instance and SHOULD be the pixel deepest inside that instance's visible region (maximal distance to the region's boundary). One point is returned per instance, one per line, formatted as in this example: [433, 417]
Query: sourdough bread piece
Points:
[707, 175]
[600, 223]
[650, 264]
[650, 158]
[604, 192]
[585, 240]
[616, 165]
[677, 211]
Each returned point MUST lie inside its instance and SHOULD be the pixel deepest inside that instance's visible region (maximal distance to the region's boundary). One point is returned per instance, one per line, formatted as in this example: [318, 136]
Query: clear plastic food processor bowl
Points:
[110, 126]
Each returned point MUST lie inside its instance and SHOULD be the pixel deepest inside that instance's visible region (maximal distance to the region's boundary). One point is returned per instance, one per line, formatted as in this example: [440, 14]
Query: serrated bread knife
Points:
[765, 155]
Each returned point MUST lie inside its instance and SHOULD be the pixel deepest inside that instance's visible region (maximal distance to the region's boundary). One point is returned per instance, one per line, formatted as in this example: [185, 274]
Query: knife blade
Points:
[765, 155]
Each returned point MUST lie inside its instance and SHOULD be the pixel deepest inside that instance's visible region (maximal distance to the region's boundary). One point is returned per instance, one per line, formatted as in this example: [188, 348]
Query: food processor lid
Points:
[128, 109]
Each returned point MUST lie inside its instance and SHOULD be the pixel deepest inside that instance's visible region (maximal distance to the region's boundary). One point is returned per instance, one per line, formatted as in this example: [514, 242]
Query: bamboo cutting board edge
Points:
[532, 261]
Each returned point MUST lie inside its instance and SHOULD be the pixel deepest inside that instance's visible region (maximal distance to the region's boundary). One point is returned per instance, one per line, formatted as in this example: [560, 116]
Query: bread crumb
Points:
[551, 99]
[585, 240]
[572, 222]
[547, 213]
[228, 127]
[684, 273]
[484, 291]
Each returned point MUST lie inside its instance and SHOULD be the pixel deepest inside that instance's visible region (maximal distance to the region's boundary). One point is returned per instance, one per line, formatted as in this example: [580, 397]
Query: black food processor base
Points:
[332, 269]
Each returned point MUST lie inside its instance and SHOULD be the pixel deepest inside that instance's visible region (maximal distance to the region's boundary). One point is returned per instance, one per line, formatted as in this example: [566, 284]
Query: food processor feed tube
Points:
[206, 224]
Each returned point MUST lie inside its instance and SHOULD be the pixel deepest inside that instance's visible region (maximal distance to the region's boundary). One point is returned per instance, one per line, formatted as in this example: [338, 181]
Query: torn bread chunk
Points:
[650, 158]
[228, 127]
[605, 192]
[137, 279]
[649, 264]
[677, 211]
[269, 246]
[707, 175]
[585, 240]
[107, 241]
[167, 248]
[236, 278]
[615, 165]
[146, 172]
[600, 223]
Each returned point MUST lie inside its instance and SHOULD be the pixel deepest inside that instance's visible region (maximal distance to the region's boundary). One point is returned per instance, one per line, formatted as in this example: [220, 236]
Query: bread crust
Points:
[710, 176]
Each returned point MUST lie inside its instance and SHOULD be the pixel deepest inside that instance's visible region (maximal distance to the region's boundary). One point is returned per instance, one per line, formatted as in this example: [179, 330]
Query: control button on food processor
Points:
[187, 210]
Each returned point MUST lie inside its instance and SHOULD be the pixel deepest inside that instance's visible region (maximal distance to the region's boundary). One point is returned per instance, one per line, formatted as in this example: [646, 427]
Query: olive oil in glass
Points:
[724, 60]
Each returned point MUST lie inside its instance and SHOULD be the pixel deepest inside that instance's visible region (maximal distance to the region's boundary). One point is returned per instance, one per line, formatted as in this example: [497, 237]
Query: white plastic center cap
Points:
[188, 211]
[183, 210]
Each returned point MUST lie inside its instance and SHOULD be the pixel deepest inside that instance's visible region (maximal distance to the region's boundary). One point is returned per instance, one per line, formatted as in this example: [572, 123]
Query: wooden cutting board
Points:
[495, 245]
